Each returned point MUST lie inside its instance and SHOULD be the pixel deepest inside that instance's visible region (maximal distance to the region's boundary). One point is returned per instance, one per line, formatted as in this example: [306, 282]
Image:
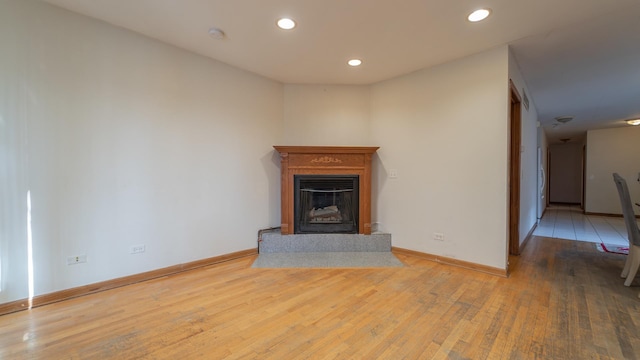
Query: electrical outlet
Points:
[438, 236]
[137, 249]
[393, 174]
[72, 260]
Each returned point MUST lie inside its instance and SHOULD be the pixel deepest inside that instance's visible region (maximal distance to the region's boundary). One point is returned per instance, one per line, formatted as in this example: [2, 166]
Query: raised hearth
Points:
[274, 242]
[325, 162]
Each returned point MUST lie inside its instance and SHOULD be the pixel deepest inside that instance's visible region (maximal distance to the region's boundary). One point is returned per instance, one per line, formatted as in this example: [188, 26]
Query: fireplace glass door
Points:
[326, 204]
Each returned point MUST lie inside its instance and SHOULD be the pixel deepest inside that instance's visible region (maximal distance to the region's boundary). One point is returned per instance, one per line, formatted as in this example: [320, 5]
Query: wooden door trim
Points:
[515, 141]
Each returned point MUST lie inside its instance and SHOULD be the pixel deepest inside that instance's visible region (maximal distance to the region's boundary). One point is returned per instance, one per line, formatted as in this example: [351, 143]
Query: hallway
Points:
[568, 222]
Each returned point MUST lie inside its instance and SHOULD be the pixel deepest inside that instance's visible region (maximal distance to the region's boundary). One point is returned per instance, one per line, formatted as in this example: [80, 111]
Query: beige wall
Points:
[444, 130]
[327, 115]
[609, 151]
[123, 140]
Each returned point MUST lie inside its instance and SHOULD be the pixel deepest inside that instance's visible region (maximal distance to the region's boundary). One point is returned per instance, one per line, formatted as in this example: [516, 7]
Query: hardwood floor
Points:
[564, 300]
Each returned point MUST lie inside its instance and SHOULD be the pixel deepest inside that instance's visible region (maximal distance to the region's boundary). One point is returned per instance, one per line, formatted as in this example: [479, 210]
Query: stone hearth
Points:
[274, 242]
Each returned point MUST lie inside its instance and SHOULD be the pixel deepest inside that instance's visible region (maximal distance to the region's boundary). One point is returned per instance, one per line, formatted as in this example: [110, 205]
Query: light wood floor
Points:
[564, 300]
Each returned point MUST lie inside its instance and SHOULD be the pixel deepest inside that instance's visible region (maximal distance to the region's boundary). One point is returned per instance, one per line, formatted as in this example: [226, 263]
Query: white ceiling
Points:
[578, 57]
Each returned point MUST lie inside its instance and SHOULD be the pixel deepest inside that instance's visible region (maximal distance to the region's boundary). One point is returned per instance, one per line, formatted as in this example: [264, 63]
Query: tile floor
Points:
[568, 222]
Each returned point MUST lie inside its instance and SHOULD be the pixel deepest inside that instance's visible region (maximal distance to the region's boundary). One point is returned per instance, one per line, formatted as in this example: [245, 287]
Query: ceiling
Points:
[579, 58]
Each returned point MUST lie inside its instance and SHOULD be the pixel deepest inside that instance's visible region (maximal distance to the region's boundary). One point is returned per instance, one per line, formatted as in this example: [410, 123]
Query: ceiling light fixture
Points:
[634, 122]
[564, 119]
[216, 33]
[354, 62]
[286, 24]
[479, 15]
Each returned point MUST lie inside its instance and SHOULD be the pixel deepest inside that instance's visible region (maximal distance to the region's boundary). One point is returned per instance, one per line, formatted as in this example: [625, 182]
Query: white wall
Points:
[609, 151]
[123, 140]
[529, 174]
[444, 130]
[327, 115]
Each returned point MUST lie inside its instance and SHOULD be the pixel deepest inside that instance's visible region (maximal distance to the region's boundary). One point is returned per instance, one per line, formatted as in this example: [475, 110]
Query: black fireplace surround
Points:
[326, 204]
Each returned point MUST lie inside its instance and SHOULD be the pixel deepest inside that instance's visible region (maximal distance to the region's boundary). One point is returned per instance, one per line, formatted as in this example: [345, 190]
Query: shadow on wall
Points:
[271, 165]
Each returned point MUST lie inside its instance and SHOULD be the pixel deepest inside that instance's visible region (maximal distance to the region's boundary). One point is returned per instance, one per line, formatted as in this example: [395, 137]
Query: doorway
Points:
[515, 140]
[566, 173]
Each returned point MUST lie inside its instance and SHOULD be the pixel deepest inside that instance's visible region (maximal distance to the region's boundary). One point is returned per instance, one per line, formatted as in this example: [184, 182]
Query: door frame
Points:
[584, 182]
[515, 143]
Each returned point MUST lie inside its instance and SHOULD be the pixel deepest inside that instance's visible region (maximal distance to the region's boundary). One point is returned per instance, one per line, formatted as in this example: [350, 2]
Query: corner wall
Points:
[444, 129]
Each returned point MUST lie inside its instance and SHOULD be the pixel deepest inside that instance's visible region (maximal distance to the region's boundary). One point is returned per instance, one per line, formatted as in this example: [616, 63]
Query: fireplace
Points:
[326, 204]
[325, 189]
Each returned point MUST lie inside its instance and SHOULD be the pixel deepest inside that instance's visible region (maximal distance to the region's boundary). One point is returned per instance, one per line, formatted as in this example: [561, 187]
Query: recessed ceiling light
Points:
[216, 33]
[635, 122]
[286, 24]
[354, 62]
[479, 15]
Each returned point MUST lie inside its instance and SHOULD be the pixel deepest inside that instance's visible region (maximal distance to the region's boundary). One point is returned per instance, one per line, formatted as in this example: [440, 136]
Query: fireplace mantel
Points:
[325, 160]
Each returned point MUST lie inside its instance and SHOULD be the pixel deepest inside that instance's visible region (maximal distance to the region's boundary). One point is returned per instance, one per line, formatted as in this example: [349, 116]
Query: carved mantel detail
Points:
[325, 160]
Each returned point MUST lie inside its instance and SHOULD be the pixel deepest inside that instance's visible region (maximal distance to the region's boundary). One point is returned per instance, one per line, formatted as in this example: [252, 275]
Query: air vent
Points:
[564, 119]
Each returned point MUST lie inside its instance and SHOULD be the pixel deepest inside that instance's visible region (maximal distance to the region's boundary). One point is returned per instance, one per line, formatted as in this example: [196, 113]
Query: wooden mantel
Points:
[325, 160]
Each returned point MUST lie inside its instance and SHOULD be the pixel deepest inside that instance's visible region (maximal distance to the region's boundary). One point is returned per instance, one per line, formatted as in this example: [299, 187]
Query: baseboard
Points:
[607, 215]
[454, 262]
[61, 295]
[528, 237]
